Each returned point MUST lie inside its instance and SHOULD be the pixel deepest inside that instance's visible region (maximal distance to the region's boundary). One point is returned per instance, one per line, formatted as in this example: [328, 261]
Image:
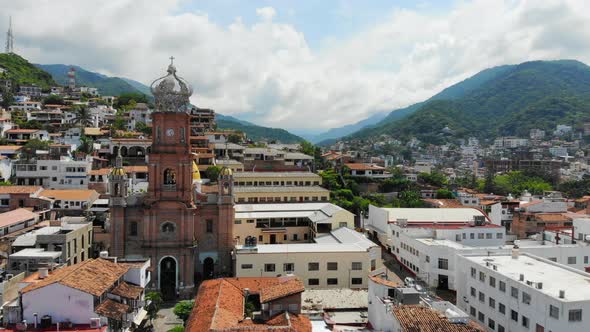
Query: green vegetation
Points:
[22, 72]
[183, 309]
[511, 99]
[434, 178]
[514, 182]
[257, 133]
[153, 303]
[212, 173]
[143, 128]
[178, 328]
[53, 100]
[30, 149]
[576, 188]
[128, 100]
[107, 86]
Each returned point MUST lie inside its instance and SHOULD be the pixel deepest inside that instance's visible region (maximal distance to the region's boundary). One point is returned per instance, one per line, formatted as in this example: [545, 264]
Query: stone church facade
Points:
[186, 234]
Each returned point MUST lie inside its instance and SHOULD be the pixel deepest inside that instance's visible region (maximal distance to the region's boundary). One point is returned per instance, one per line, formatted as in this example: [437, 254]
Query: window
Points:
[514, 315]
[501, 328]
[210, 226]
[472, 311]
[356, 266]
[575, 315]
[313, 266]
[357, 281]
[492, 282]
[342, 224]
[491, 324]
[269, 267]
[133, 230]
[585, 259]
[332, 281]
[482, 276]
[260, 238]
[553, 312]
[332, 266]
[499, 235]
[480, 236]
[502, 286]
[502, 308]
[237, 222]
[525, 322]
[553, 259]
[464, 236]
[285, 237]
[473, 292]
[295, 237]
[514, 292]
[246, 266]
[168, 227]
[443, 263]
[473, 273]
[289, 267]
[313, 282]
[458, 237]
[471, 236]
[427, 259]
[481, 316]
[482, 297]
[492, 302]
[488, 236]
[571, 260]
[526, 298]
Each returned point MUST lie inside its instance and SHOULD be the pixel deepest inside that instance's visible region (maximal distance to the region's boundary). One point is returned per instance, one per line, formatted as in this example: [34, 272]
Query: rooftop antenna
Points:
[9, 37]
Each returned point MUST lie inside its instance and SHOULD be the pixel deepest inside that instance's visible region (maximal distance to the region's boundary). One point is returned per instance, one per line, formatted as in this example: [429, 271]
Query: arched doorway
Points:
[168, 278]
[208, 268]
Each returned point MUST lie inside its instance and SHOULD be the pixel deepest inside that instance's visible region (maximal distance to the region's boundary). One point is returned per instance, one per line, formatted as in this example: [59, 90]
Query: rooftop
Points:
[282, 189]
[555, 277]
[19, 189]
[239, 175]
[418, 318]
[93, 276]
[442, 215]
[70, 194]
[364, 167]
[36, 253]
[16, 216]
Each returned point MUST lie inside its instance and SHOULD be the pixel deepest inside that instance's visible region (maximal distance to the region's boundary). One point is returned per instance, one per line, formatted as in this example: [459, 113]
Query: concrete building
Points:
[288, 223]
[22, 136]
[368, 170]
[14, 197]
[283, 187]
[522, 292]
[71, 202]
[64, 173]
[341, 259]
[16, 220]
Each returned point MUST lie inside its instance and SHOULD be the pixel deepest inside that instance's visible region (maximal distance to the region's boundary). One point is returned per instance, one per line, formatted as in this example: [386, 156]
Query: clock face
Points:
[169, 132]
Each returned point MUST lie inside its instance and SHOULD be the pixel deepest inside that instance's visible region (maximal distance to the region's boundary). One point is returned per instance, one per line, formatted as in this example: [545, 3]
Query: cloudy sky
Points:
[303, 65]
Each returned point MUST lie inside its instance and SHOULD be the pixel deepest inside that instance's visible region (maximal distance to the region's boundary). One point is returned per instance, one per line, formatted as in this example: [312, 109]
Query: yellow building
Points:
[279, 187]
[288, 223]
[342, 258]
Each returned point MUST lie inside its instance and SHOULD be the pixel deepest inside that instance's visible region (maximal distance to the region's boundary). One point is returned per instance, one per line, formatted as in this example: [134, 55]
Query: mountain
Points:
[348, 129]
[107, 86]
[254, 132]
[505, 100]
[23, 72]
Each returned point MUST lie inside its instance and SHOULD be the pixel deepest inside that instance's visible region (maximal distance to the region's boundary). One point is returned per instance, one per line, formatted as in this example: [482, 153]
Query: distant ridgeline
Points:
[22, 72]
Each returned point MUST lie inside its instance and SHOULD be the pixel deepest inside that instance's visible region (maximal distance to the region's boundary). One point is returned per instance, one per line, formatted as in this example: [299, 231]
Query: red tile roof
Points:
[282, 289]
[16, 216]
[21, 131]
[219, 305]
[93, 276]
[384, 282]
[70, 194]
[112, 309]
[19, 189]
[361, 167]
[127, 290]
[418, 318]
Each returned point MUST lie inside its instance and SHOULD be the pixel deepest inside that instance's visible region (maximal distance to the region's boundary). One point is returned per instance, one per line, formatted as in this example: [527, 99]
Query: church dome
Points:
[171, 92]
[226, 171]
[118, 171]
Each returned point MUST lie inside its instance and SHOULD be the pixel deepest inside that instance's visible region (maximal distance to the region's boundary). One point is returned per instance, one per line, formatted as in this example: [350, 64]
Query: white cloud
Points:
[266, 13]
[268, 71]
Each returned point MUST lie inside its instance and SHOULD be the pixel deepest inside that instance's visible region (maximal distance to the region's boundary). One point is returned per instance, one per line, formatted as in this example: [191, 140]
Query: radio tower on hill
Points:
[9, 37]
[72, 78]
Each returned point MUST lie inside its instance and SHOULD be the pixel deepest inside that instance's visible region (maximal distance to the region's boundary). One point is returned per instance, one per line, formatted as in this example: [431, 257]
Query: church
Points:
[187, 234]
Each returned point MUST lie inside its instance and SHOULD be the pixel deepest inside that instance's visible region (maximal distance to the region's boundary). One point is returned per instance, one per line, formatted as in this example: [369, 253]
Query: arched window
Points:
[169, 176]
[168, 227]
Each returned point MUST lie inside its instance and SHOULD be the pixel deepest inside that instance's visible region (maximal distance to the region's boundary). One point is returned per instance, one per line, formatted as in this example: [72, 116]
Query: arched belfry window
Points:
[168, 228]
[169, 176]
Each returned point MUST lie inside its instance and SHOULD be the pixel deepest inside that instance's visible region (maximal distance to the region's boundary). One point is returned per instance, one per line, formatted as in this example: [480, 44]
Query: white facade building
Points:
[54, 174]
[521, 292]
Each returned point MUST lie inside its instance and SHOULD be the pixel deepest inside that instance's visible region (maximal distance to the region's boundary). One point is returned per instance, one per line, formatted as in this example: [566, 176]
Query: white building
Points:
[64, 173]
[96, 292]
[423, 167]
[510, 142]
[342, 258]
[522, 292]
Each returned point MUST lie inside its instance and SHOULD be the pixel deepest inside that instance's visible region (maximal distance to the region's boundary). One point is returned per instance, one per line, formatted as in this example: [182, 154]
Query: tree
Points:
[7, 99]
[178, 328]
[82, 117]
[183, 309]
[30, 149]
[120, 123]
[444, 194]
[410, 199]
[330, 179]
[234, 138]
[212, 173]
[436, 179]
[53, 100]
[153, 304]
[125, 99]
[143, 128]
[86, 144]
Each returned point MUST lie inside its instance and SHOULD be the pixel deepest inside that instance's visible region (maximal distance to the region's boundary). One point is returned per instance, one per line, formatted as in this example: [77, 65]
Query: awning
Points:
[140, 317]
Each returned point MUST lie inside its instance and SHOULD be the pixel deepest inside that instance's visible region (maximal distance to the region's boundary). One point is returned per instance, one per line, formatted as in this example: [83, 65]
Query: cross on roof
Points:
[171, 60]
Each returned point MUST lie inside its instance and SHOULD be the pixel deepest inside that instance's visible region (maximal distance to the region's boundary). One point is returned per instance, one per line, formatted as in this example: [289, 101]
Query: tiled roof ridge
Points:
[61, 276]
[220, 287]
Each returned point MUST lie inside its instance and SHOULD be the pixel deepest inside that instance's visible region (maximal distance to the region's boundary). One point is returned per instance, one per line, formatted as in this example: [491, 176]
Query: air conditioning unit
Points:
[94, 323]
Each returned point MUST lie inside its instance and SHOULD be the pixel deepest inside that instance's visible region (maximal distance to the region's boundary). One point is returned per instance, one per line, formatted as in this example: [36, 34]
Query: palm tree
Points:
[82, 117]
